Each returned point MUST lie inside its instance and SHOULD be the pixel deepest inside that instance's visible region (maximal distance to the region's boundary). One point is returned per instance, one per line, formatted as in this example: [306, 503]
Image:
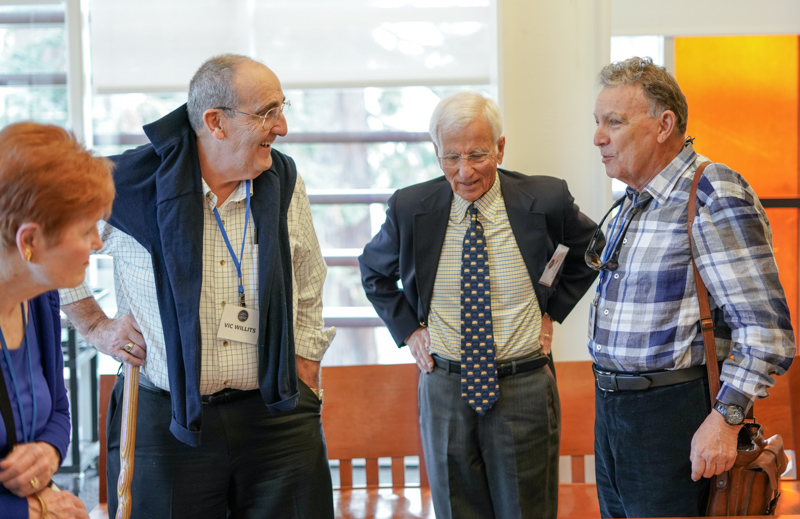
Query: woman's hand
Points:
[60, 505]
[29, 468]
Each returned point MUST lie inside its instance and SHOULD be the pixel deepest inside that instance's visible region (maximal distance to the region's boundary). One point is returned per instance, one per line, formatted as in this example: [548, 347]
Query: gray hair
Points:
[212, 86]
[659, 87]
[457, 111]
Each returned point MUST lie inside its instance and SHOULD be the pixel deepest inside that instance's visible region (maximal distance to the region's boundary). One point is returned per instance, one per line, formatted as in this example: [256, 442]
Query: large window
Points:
[363, 78]
[353, 147]
[33, 62]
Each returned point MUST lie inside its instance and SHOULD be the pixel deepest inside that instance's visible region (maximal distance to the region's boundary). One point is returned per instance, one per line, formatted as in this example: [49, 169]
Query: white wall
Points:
[549, 57]
[704, 17]
[549, 54]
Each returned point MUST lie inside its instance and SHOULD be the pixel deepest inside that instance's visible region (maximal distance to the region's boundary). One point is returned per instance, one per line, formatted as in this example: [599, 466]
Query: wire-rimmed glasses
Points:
[268, 119]
[592, 258]
[476, 158]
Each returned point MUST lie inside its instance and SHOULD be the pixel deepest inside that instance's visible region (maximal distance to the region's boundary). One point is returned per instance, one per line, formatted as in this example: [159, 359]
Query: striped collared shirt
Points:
[225, 363]
[516, 317]
[647, 314]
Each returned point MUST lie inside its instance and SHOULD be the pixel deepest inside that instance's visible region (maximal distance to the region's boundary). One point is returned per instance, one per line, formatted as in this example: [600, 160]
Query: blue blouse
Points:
[52, 420]
[44, 404]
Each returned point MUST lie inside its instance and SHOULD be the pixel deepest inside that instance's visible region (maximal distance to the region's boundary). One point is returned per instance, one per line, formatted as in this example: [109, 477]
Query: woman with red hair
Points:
[52, 193]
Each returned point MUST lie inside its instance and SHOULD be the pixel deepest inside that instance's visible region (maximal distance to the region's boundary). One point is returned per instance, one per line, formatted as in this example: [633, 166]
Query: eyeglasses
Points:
[453, 160]
[268, 119]
[591, 257]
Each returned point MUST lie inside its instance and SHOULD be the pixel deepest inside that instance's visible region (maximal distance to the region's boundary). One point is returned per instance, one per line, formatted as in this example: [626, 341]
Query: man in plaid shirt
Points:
[657, 440]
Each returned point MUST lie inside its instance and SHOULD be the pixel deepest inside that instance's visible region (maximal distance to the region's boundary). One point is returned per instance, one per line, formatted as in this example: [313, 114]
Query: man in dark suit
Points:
[476, 316]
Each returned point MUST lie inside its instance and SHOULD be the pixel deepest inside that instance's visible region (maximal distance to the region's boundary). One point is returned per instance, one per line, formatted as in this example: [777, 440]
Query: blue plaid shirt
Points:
[645, 315]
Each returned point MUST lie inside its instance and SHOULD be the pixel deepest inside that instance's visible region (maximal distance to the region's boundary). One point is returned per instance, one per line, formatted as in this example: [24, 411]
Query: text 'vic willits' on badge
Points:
[239, 324]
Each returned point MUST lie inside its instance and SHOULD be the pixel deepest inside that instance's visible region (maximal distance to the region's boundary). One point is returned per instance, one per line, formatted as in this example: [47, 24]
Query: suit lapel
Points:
[429, 231]
[529, 226]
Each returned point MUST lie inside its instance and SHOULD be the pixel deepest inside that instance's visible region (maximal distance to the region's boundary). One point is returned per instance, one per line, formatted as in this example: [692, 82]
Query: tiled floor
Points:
[89, 490]
[89, 487]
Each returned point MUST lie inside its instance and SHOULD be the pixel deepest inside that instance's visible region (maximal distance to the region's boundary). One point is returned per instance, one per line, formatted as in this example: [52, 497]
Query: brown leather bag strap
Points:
[706, 322]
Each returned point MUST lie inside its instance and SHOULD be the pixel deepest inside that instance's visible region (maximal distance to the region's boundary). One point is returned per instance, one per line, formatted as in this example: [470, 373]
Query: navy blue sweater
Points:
[160, 204]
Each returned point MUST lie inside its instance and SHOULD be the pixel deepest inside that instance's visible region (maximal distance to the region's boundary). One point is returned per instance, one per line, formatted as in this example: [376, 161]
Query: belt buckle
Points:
[220, 397]
[613, 377]
[506, 369]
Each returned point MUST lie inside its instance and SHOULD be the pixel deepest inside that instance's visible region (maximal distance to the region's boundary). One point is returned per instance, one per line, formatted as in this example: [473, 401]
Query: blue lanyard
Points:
[26, 437]
[237, 262]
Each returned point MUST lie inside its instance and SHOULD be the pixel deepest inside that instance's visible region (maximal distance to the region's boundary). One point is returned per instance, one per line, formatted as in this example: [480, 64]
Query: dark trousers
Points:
[249, 465]
[502, 465]
[642, 445]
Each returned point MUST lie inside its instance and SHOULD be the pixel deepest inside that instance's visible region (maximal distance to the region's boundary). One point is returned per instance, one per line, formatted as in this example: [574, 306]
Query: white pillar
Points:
[79, 70]
[549, 55]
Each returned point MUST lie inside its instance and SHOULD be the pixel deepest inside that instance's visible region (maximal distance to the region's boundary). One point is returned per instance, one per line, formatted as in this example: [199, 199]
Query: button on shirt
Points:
[516, 316]
[647, 314]
[225, 363]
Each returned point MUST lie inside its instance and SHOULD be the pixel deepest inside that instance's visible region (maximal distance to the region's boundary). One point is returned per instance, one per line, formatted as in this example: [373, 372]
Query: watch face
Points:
[735, 415]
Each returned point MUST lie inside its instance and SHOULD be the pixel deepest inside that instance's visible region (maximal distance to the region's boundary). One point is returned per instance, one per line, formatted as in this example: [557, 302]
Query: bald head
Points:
[214, 84]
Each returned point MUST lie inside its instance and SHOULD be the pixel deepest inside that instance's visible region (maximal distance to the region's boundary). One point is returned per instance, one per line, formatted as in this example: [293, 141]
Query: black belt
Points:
[503, 370]
[220, 397]
[228, 395]
[612, 382]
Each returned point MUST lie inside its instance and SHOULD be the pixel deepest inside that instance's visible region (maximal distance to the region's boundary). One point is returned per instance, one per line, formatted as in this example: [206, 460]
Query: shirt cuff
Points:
[71, 295]
[731, 396]
[312, 344]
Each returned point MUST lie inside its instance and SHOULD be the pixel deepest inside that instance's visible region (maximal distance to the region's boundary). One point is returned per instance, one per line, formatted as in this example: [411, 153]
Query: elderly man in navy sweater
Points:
[219, 284]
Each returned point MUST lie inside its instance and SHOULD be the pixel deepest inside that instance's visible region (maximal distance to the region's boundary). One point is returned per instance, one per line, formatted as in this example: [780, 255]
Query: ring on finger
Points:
[35, 482]
[128, 347]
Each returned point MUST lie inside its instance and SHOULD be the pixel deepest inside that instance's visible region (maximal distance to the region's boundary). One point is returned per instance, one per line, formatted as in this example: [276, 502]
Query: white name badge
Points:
[239, 324]
[554, 266]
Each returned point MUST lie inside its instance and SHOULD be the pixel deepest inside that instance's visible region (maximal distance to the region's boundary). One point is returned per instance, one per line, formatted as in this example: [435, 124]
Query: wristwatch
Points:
[733, 414]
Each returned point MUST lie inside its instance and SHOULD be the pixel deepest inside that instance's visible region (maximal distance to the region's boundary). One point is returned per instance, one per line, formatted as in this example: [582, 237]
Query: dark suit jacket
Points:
[542, 214]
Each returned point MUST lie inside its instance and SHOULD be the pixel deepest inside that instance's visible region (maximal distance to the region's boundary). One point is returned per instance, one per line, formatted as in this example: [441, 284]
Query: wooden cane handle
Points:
[127, 441]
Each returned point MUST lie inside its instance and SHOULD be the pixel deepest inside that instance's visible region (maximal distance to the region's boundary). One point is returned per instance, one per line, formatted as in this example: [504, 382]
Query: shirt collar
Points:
[663, 184]
[487, 205]
[238, 194]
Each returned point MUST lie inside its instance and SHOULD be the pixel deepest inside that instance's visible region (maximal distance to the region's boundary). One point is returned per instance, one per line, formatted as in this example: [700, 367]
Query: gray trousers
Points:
[502, 465]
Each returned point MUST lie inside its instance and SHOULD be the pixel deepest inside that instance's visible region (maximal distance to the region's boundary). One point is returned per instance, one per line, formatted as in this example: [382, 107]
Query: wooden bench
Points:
[577, 497]
[370, 412]
[577, 494]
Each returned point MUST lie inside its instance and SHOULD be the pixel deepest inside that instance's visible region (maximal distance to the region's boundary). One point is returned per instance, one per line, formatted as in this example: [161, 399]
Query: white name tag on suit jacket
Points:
[554, 266]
